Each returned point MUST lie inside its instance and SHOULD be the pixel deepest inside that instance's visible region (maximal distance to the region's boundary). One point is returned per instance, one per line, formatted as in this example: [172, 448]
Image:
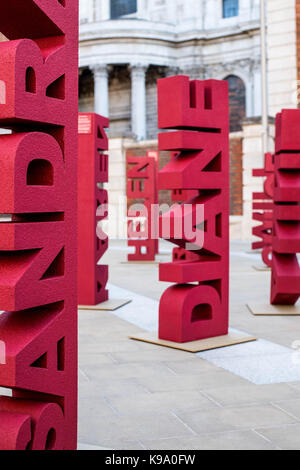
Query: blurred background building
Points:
[126, 45]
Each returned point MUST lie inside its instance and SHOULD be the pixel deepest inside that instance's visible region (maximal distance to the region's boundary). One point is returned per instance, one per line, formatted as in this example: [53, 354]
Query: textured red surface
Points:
[142, 185]
[285, 287]
[92, 202]
[265, 229]
[38, 285]
[181, 195]
[198, 111]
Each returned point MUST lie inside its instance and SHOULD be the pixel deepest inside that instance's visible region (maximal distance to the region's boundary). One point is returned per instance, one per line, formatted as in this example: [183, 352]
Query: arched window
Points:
[237, 102]
[230, 8]
[119, 8]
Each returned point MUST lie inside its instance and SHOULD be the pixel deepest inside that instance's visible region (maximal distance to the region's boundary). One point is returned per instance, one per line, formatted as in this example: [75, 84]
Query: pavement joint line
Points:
[111, 407]
[182, 422]
[111, 356]
[275, 404]
[276, 426]
[247, 405]
[203, 392]
[171, 370]
[266, 439]
[142, 445]
[84, 374]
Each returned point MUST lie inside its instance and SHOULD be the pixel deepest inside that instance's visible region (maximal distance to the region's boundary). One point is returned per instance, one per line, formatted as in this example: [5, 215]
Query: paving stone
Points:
[247, 440]
[195, 382]
[284, 437]
[160, 402]
[110, 388]
[130, 428]
[292, 407]
[125, 371]
[227, 419]
[158, 354]
[250, 393]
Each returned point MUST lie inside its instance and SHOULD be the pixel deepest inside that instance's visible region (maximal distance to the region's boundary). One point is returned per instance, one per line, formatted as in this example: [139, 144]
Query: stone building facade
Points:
[126, 45]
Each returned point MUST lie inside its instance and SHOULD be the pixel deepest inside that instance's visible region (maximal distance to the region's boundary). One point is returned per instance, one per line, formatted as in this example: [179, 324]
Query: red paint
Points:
[265, 216]
[198, 112]
[285, 287]
[142, 185]
[38, 74]
[92, 209]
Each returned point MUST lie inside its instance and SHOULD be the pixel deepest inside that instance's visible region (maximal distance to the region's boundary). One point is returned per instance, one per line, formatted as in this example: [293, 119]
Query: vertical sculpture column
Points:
[92, 209]
[263, 202]
[285, 287]
[200, 117]
[38, 282]
[142, 186]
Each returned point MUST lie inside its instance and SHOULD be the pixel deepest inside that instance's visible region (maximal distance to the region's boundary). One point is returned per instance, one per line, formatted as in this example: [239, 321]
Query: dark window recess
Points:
[237, 102]
[230, 8]
[119, 8]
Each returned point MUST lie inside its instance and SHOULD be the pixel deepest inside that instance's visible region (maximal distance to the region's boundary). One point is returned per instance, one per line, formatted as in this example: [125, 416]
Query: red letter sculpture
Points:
[285, 288]
[92, 209]
[179, 196]
[38, 284]
[264, 203]
[142, 186]
[197, 306]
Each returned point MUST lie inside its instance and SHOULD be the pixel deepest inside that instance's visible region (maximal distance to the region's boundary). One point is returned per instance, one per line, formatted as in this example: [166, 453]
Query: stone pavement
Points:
[139, 396]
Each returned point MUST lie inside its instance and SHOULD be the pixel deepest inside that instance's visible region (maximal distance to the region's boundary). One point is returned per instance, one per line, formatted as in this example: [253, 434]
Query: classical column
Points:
[138, 101]
[101, 90]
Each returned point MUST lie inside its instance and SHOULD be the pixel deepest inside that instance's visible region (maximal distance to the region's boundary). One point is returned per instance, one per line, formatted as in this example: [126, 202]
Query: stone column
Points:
[138, 101]
[101, 90]
[257, 92]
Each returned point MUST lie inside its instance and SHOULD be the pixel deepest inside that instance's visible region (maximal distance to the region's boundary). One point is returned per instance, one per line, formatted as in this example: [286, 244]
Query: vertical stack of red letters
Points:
[92, 209]
[263, 202]
[38, 235]
[285, 288]
[142, 188]
[196, 307]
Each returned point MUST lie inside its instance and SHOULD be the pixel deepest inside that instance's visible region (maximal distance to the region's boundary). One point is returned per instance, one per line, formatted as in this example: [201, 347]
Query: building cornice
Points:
[147, 31]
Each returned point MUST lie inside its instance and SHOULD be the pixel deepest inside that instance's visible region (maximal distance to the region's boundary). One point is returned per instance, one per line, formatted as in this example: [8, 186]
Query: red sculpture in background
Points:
[263, 202]
[92, 209]
[285, 288]
[200, 116]
[38, 77]
[142, 187]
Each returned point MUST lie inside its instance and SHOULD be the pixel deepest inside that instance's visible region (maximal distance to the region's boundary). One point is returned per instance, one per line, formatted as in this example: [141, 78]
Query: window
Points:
[119, 8]
[230, 8]
[237, 102]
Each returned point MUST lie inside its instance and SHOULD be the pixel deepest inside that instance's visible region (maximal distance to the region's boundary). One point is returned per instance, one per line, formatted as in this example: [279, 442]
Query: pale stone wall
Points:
[282, 55]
